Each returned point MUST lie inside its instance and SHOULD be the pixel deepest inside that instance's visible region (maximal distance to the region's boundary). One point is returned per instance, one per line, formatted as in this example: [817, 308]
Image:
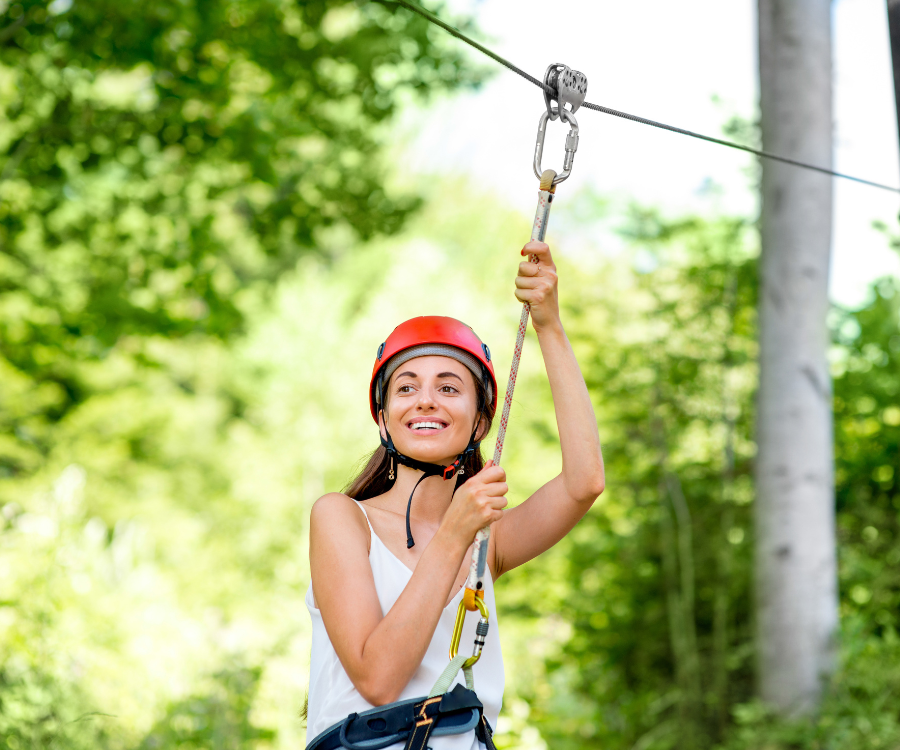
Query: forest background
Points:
[205, 236]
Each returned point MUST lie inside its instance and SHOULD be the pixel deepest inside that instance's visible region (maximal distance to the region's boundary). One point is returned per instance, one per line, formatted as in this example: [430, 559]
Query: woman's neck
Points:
[432, 498]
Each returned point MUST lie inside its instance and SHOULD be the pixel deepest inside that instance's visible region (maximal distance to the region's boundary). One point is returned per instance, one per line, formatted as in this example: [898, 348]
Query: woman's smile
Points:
[426, 425]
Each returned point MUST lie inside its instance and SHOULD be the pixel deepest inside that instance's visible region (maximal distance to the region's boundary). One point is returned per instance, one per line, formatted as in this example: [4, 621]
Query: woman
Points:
[388, 570]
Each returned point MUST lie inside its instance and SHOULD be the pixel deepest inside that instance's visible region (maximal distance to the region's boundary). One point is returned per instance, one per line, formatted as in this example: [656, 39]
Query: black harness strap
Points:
[426, 713]
[485, 734]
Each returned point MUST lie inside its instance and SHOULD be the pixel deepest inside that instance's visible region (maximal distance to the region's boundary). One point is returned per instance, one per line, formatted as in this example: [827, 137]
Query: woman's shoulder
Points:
[336, 511]
[334, 504]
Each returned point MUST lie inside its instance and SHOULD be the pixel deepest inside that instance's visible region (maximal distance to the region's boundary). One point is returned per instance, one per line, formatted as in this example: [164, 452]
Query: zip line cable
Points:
[429, 16]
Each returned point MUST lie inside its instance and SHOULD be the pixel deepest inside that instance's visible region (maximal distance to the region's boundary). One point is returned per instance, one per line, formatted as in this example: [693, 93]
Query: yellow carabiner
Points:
[481, 631]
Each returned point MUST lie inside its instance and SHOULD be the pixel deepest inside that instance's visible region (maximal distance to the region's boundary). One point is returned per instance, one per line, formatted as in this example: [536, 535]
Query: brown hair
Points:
[373, 479]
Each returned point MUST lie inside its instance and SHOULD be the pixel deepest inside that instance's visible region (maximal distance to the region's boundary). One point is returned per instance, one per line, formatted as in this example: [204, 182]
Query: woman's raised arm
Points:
[550, 513]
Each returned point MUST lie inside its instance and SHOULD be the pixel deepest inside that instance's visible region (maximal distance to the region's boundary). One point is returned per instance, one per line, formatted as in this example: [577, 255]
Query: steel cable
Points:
[428, 15]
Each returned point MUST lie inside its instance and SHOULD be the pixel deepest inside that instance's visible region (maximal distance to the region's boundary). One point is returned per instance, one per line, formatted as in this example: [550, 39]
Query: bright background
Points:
[667, 62]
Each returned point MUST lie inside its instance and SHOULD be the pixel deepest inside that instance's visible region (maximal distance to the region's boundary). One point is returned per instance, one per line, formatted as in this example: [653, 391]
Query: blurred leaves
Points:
[37, 710]
[865, 362]
[162, 163]
[215, 720]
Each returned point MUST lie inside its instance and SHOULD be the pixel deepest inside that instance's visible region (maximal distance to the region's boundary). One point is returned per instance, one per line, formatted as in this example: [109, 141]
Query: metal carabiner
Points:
[571, 142]
[481, 631]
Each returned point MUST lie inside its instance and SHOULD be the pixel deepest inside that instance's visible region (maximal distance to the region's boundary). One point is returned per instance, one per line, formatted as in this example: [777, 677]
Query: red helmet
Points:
[439, 331]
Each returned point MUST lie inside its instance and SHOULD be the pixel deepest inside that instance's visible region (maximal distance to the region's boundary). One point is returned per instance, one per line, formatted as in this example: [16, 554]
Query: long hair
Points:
[373, 479]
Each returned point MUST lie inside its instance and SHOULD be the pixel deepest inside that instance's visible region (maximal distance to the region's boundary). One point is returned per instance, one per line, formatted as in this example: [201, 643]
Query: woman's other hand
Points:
[537, 284]
[476, 504]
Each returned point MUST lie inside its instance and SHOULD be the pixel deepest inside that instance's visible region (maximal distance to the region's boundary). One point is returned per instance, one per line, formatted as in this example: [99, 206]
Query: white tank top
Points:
[332, 696]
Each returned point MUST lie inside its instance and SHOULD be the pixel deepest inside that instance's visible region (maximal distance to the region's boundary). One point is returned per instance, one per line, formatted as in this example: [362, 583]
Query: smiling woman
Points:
[383, 606]
[466, 371]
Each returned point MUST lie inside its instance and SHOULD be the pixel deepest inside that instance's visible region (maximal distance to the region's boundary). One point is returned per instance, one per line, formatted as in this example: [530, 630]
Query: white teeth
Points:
[423, 425]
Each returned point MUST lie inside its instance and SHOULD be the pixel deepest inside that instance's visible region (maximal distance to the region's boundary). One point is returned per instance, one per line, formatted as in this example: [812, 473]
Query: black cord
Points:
[410, 542]
[634, 118]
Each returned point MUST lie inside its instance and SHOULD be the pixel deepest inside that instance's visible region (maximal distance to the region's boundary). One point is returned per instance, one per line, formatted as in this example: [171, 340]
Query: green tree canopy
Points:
[160, 160]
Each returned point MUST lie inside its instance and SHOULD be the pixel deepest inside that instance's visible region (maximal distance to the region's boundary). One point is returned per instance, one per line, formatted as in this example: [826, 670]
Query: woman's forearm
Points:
[397, 645]
[582, 460]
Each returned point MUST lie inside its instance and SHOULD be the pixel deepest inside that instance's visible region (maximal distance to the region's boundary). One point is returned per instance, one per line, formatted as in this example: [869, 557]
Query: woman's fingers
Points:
[535, 293]
[539, 249]
[496, 489]
[491, 473]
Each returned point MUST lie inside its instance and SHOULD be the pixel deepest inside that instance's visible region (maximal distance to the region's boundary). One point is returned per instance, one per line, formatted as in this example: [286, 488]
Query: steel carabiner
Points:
[571, 142]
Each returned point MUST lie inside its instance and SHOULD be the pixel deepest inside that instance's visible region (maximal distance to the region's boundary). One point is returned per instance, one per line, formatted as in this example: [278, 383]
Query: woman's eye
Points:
[404, 389]
[448, 389]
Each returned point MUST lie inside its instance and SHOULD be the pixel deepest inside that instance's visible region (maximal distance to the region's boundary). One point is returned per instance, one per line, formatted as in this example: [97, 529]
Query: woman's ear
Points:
[482, 431]
[381, 428]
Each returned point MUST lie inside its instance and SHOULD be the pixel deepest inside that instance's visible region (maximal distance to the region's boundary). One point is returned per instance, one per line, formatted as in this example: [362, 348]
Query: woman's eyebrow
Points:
[440, 375]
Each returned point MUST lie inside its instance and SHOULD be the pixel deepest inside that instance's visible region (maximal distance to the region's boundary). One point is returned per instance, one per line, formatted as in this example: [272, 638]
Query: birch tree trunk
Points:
[796, 586]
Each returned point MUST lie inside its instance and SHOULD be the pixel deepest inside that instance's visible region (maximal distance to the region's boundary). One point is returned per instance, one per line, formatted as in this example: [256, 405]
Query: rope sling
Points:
[444, 711]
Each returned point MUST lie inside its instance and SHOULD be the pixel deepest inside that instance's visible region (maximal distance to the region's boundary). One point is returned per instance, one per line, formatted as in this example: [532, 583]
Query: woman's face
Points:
[431, 408]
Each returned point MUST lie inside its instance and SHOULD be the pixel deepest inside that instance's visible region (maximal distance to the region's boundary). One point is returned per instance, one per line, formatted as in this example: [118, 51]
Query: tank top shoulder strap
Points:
[360, 506]
[366, 516]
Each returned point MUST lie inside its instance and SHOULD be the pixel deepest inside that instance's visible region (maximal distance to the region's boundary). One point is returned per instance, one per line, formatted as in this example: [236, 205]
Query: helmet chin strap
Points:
[427, 469]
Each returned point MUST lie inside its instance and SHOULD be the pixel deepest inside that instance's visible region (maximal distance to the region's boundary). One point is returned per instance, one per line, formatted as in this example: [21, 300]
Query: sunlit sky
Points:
[665, 61]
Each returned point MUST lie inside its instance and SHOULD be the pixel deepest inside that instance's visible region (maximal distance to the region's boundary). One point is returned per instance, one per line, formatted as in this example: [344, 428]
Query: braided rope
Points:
[475, 581]
[511, 384]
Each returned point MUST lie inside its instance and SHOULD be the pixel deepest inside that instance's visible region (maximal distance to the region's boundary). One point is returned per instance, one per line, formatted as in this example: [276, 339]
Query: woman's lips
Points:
[426, 427]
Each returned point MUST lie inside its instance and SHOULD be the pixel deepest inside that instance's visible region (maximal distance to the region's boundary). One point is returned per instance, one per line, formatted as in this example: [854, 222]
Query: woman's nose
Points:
[426, 399]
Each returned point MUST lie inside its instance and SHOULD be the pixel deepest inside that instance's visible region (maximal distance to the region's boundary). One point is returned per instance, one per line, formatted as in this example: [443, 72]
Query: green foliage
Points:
[162, 167]
[214, 720]
[37, 710]
[859, 710]
[162, 163]
[866, 369]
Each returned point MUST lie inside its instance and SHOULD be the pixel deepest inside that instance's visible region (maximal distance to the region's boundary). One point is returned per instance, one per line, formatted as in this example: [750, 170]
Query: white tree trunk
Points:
[796, 581]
